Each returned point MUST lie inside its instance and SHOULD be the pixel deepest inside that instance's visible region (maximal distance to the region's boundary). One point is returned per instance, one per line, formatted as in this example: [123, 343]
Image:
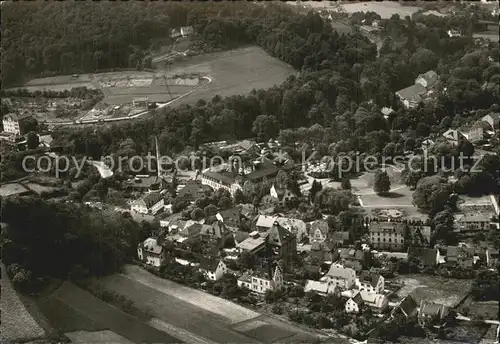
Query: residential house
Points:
[318, 230]
[149, 204]
[492, 256]
[427, 144]
[174, 33]
[144, 183]
[411, 96]
[8, 138]
[320, 287]
[265, 222]
[428, 79]
[453, 136]
[430, 311]
[263, 279]
[241, 147]
[186, 31]
[231, 218]
[282, 195]
[493, 119]
[408, 307]
[354, 303]
[387, 235]
[426, 257]
[15, 123]
[376, 301]
[213, 269]
[282, 243]
[253, 244]
[217, 231]
[454, 33]
[354, 258]
[340, 276]
[460, 256]
[323, 251]
[477, 221]
[296, 226]
[193, 190]
[474, 133]
[370, 282]
[151, 253]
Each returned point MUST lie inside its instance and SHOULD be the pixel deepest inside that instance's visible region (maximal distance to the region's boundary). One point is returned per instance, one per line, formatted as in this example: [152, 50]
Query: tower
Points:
[158, 162]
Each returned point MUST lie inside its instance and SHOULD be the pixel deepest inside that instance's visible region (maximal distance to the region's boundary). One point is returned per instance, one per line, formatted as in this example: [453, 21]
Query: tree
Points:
[381, 183]
[433, 194]
[345, 184]
[33, 141]
[265, 127]
[315, 188]
[197, 214]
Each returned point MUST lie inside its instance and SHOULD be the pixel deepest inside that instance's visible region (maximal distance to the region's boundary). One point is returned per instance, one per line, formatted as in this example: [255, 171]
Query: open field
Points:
[17, 324]
[232, 72]
[198, 314]
[72, 309]
[446, 291]
[384, 9]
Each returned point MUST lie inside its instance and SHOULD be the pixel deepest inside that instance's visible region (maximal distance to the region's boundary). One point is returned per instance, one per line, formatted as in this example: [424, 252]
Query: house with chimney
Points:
[151, 252]
[267, 277]
[340, 276]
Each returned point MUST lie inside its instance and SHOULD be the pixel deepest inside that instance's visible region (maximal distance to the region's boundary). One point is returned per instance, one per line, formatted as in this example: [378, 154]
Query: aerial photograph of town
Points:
[240, 172]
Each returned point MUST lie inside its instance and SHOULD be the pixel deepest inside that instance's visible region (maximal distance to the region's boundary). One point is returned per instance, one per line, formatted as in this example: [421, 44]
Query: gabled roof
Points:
[192, 230]
[319, 287]
[322, 225]
[412, 93]
[280, 232]
[227, 178]
[293, 225]
[265, 221]
[151, 245]
[376, 300]
[337, 271]
[431, 77]
[430, 309]
[325, 246]
[357, 298]
[352, 254]
[18, 117]
[408, 305]
[230, 217]
[369, 277]
[209, 264]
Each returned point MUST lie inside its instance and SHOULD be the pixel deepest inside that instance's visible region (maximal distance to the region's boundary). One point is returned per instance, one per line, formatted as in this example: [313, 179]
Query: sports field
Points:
[228, 73]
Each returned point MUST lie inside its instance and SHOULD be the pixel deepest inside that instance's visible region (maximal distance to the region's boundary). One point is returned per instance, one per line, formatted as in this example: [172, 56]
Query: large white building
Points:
[151, 253]
[150, 204]
[340, 276]
[13, 123]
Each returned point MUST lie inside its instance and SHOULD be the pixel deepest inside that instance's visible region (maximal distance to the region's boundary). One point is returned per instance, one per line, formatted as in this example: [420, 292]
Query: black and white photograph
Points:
[250, 172]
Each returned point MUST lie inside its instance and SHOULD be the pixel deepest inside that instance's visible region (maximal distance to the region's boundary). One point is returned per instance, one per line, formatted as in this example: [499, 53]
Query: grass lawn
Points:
[103, 337]
[447, 291]
[17, 324]
[72, 309]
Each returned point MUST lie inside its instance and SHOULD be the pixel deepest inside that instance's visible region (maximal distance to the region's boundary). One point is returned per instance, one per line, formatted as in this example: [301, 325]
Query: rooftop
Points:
[412, 93]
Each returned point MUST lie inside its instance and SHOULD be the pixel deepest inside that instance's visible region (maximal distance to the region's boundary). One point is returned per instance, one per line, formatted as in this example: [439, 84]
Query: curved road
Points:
[93, 121]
